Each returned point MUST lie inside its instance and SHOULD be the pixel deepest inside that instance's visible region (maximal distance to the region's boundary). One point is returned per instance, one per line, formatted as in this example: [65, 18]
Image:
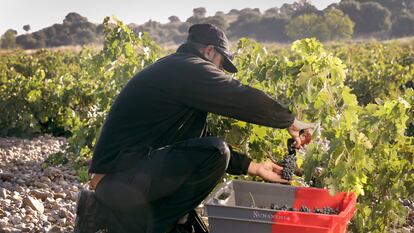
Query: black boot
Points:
[194, 224]
[89, 214]
[198, 224]
[182, 228]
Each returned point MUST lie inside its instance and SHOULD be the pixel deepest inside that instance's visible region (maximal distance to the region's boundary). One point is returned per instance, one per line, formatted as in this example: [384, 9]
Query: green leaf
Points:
[33, 95]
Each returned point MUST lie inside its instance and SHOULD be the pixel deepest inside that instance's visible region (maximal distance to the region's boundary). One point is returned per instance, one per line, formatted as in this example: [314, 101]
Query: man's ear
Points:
[209, 51]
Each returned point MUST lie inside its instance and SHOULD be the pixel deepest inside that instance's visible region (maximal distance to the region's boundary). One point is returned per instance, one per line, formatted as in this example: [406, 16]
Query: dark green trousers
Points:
[163, 184]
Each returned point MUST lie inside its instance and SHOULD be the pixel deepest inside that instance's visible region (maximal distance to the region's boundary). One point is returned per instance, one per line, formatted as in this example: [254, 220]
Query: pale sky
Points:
[43, 13]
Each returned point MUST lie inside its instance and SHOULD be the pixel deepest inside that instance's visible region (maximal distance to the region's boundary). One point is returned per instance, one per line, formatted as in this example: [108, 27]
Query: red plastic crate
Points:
[231, 209]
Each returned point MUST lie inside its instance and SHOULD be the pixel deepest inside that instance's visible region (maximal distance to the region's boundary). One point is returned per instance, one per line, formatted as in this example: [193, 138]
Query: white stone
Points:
[55, 229]
[34, 204]
[3, 193]
[3, 223]
[16, 220]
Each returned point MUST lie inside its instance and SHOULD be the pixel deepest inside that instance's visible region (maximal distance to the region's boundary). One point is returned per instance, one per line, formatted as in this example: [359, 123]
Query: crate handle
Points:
[222, 195]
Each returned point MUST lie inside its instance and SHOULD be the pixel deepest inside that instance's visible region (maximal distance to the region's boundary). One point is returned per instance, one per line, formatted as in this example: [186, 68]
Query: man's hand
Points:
[294, 131]
[269, 171]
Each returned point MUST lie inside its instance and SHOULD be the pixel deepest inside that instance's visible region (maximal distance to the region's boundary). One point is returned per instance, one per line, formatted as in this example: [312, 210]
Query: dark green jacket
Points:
[168, 102]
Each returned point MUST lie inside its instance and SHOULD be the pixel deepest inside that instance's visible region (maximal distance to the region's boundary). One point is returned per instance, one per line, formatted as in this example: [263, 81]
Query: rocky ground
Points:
[33, 199]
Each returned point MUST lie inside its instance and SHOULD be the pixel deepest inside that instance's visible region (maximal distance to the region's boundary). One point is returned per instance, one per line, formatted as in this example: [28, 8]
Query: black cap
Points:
[208, 34]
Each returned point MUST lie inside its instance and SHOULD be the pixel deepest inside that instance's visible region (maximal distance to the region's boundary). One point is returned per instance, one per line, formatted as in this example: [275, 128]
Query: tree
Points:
[74, 17]
[234, 12]
[218, 21]
[350, 8]
[220, 13]
[174, 19]
[99, 29]
[403, 26]
[27, 41]
[272, 29]
[179, 38]
[199, 12]
[333, 24]
[75, 29]
[41, 38]
[340, 26]
[308, 25]
[287, 9]
[245, 25]
[26, 28]
[8, 39]
[304, 7]
[50, 32]
[297, 8]
[396, 7]
[198, 15]
[369, 17]
[272, 11]
[375, 18]
[183, 28]
[83, 37]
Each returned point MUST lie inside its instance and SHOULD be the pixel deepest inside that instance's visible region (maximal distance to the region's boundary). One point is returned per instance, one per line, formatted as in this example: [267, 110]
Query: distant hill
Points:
[349, 19]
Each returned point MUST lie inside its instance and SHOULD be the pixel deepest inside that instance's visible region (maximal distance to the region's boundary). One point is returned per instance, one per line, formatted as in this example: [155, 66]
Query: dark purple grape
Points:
[327, 210]
[304, 209]
[284, 207]
[317, 211]
[291, 209]
[274, 206]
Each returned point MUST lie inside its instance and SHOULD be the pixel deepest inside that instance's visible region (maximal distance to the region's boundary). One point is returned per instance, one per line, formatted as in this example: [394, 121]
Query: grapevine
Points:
[360, 95]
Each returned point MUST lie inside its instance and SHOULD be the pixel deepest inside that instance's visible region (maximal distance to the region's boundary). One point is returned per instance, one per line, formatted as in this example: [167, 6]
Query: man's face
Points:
[218, 59]
[214, 56]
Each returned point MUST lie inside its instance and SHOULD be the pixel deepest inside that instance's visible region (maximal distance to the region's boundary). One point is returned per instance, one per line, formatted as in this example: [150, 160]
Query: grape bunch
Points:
[304, 209]
[325, 210]
[317, 211]
[274, 207]
[408, 203]
[329, 210]
[277, 207]
[289, 161]
[410, 218]
[283, 207]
